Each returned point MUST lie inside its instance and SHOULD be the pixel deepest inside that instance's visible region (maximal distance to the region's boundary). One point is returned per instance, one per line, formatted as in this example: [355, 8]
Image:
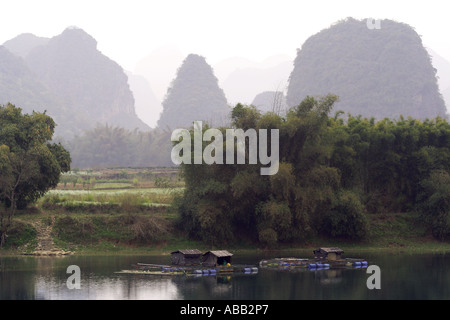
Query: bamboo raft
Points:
[312, 264]
[194, 270]
[324, 258]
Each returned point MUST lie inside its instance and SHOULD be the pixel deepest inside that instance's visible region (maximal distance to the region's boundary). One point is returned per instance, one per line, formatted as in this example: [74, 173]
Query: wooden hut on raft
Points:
[216, 258]
[188, 257]
[328, 253]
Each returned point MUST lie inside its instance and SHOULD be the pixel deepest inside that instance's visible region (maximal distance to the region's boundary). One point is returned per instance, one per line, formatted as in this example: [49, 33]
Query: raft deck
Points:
[170, 270]
[312, 263]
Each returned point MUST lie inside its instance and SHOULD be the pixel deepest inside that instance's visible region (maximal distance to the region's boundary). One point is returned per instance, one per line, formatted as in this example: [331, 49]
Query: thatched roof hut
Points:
[328, 253]
[186, 257]
[216, 258]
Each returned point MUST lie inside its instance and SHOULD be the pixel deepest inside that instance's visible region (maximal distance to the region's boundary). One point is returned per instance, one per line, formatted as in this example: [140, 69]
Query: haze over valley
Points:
[376, 73]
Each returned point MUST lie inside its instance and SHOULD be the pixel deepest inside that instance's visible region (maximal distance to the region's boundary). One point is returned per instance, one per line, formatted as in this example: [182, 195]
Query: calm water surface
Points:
[403, 276]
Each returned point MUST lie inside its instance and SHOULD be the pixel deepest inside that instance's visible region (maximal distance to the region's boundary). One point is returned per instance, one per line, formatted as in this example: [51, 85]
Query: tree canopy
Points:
[29, 164]
[111, 146]
[332, 174]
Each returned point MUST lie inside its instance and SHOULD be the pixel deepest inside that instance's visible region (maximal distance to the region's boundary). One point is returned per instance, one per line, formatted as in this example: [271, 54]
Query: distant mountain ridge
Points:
[271, 101]
[20, 86]
[378, 73]
[84, 88]
[443, 74]
[24, 43]
[80, 87]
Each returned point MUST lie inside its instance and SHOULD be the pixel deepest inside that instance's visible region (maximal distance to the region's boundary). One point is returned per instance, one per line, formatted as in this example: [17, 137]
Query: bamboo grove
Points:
[334, 171]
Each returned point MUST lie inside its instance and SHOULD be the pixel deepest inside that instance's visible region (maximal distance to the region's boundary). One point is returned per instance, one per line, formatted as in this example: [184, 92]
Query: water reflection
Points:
[95, 288]
[402, 277]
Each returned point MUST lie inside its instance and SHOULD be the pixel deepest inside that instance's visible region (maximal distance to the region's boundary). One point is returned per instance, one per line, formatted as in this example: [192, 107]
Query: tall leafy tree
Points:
[29, 164]
[331, 172]
[223, 202]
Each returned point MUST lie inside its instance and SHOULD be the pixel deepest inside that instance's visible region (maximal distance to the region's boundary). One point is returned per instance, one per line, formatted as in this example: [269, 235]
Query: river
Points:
[402, 277]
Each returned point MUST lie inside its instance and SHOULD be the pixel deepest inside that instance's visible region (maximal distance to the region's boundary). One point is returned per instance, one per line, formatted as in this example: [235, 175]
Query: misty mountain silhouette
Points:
[24, 43]
[443, 74]
[20, 86]
[79, 78]
[271, 101]
[383, 72]
[244, 84]
[194, 95]
[242, 79]
[446, 96]
[380, 73]
[160, 68]
[147, 105]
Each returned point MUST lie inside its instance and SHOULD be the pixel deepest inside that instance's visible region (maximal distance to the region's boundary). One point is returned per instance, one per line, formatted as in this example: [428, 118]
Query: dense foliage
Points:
[194, 95]
[29, 164]
[107, 146]
[378, 73]
[332, 174]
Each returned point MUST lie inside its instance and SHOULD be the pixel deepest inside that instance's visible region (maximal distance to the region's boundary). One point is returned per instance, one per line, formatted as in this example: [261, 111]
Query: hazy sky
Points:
[128, 30]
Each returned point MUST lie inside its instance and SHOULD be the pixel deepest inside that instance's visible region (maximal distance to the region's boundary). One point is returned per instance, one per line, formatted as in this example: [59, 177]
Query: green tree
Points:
[435, 205]
[222, 203]
[347, 218]
[107, 146]
[29, 164]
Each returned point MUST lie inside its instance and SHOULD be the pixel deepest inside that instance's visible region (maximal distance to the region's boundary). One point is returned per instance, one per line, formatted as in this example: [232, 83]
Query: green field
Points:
[103, 211]
[124, 187]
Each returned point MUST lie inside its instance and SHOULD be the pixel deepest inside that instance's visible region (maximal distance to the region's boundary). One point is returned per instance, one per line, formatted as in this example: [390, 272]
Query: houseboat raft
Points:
[324, 258]
[193, 262]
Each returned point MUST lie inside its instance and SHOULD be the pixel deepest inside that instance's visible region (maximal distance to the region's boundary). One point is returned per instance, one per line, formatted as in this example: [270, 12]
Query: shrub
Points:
[126, 228]
[75, 230]
[268, 237]
[435, 203]
[347, 218]
[19, 235]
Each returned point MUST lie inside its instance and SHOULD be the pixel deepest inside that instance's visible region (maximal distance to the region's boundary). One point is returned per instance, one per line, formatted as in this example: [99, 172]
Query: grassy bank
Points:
[127, 211]
[152, 231]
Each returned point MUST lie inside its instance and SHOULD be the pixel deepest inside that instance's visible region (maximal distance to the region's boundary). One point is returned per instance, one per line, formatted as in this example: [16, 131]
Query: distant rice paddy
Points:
[142, 191]
[120, 187]
[138, 196]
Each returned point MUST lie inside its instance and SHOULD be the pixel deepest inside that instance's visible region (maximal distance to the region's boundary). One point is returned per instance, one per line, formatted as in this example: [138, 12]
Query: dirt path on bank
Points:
[45, 244]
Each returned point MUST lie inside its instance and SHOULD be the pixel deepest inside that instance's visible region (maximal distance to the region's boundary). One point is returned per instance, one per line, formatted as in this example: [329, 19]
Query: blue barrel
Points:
[312, 265]
[198, 271]
[212, 271]
[326, 265]
[356, 264]
[247, 270]
[364, 263]
[205, 271]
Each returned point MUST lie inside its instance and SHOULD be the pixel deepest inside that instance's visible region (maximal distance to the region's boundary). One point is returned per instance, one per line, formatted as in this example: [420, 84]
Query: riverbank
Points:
[128, 212]
[152, 232]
